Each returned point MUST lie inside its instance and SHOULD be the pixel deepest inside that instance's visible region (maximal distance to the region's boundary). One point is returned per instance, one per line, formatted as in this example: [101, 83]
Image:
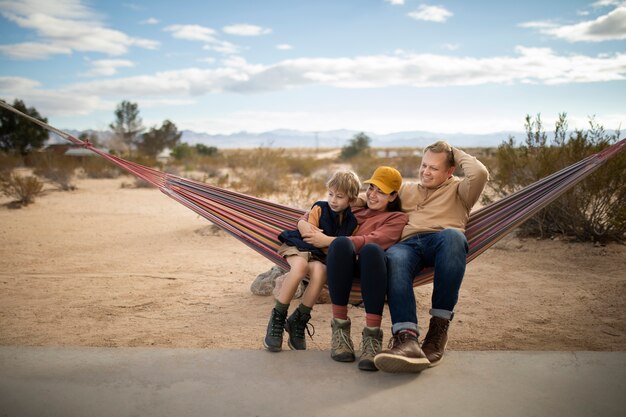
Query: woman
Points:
[362, 256]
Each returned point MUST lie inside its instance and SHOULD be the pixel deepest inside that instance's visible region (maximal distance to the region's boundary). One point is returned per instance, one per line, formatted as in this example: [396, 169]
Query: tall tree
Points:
[359, 144]
[18, 135]
[127, 124]
[155, 140]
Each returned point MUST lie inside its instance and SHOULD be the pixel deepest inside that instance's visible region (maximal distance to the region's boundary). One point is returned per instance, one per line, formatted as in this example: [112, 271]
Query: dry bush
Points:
[594, 210]
[23, 188]
[8, 162]
[99, 168]
[57, 169]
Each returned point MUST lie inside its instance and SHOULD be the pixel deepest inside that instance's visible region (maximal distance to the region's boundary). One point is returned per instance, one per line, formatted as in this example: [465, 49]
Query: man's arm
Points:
[476, 176]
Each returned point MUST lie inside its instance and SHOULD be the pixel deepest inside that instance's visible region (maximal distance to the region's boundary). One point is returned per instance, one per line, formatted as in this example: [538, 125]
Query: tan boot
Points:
[342, 349]
[436, 339]
[371, 344]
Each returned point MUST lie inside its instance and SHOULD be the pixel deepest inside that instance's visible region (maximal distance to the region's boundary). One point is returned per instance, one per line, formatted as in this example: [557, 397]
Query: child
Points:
[334, 218]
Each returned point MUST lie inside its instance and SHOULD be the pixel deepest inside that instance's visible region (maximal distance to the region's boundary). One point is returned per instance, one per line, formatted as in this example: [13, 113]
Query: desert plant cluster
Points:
[594, 210]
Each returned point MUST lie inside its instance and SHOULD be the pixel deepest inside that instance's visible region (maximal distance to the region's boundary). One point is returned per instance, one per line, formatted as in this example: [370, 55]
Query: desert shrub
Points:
[8, 162]
[594, 210]
[57, 169]
[99, 168]
[23, 188]
[364, 165]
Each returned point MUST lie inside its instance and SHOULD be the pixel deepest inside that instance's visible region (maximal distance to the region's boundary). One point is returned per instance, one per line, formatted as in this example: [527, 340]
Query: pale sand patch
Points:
[106, 266]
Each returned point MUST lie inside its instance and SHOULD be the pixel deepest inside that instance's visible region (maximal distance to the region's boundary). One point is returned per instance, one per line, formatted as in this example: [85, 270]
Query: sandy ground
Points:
[111, 266]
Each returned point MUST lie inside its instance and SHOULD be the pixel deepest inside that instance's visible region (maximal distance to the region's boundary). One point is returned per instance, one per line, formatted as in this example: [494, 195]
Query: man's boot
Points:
[295, 325]
[342, 349]
[274, 335]
[371, 344]
[436, 339]
[404, 355]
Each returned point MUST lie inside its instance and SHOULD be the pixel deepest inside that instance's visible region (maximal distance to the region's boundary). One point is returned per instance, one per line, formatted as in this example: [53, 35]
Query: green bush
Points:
[358, 145]
[594, 210]
[23, 188]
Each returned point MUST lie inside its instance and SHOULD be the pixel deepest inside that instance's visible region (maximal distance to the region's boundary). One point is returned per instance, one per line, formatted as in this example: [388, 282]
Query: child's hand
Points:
[317, 239]
[307, 228]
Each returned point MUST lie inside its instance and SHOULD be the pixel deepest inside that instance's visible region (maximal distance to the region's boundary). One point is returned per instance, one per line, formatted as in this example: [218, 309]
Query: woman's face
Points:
[377, 200]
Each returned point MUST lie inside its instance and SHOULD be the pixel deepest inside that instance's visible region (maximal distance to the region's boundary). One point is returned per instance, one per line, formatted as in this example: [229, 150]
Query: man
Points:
[438, 208]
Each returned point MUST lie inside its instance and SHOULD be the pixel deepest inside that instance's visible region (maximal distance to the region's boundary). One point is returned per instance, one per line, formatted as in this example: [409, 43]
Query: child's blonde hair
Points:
[346, 182]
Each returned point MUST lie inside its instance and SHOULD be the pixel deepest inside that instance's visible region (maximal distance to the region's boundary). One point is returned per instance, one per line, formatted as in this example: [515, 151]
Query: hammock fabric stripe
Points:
[257, 222]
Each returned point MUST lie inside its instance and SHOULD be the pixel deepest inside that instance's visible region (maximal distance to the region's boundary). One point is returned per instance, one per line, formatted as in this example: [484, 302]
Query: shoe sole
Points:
[344, 357]
[367, 365]
[270, 348]
[291, 346]
[398, 364]
[435, 363]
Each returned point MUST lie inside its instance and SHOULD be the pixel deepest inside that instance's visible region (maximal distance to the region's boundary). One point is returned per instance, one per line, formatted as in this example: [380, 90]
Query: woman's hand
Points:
[317, 239]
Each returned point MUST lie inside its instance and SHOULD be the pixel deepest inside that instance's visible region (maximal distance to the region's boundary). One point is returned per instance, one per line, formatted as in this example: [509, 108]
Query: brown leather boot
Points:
[404, 354]
[434, 344]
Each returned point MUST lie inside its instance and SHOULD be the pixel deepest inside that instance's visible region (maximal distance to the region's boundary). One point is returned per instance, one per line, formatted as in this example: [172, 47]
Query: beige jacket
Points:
[449, 205]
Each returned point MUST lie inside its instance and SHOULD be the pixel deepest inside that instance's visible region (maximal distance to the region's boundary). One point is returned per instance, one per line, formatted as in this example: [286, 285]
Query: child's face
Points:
[338, 200]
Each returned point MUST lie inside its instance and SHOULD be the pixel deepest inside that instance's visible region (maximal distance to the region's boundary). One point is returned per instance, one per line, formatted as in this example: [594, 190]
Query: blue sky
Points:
[380, 66]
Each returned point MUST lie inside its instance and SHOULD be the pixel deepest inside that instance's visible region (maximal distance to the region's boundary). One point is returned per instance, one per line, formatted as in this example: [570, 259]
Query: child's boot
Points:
[274, 336]
[295, 325]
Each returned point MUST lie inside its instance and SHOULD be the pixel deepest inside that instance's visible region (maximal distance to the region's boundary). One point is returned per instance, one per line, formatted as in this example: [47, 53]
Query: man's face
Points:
[434, 170]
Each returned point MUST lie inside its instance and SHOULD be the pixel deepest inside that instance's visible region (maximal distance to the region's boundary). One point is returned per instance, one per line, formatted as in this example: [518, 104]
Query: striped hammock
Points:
[257, 222]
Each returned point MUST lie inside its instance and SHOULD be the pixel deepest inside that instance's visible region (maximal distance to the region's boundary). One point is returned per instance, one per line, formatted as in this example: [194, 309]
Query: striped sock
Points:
[340, 312]
[373, 320]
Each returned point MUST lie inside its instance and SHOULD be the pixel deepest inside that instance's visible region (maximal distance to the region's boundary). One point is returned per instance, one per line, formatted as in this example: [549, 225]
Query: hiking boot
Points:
[274, 336]
[404, 354]
[342, 349]
[371, 344]
[295, 325]
[436, 340]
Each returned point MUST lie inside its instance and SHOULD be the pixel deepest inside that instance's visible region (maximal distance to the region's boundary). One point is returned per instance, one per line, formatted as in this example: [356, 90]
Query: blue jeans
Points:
[446, 251]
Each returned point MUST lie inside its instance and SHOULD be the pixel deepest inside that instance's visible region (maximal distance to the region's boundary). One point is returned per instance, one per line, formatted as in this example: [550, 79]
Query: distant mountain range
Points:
[284, 138]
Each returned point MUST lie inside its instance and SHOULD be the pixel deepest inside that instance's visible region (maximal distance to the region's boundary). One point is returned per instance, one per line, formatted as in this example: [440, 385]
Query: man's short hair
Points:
[346, 182]
[442, 146]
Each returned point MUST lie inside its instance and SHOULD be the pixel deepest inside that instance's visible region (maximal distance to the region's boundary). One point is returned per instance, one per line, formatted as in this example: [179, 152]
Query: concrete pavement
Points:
[36, 381]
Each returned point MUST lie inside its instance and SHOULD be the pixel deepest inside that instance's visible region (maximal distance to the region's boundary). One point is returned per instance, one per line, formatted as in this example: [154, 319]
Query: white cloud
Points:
[608, 27]
[107, 67]
[395, 2]
[235, 74]
[431, 13]
[245, 29]
[33, 50]
[284, 47]
[450, 46]
[223, 47]
[203, 34]
[150, 21]
[528, 66]
[192, 32]
[63, 27]
[12, 85]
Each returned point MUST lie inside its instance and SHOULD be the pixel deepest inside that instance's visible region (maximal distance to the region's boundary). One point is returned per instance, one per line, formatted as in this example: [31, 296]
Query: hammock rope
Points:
[257, 222]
